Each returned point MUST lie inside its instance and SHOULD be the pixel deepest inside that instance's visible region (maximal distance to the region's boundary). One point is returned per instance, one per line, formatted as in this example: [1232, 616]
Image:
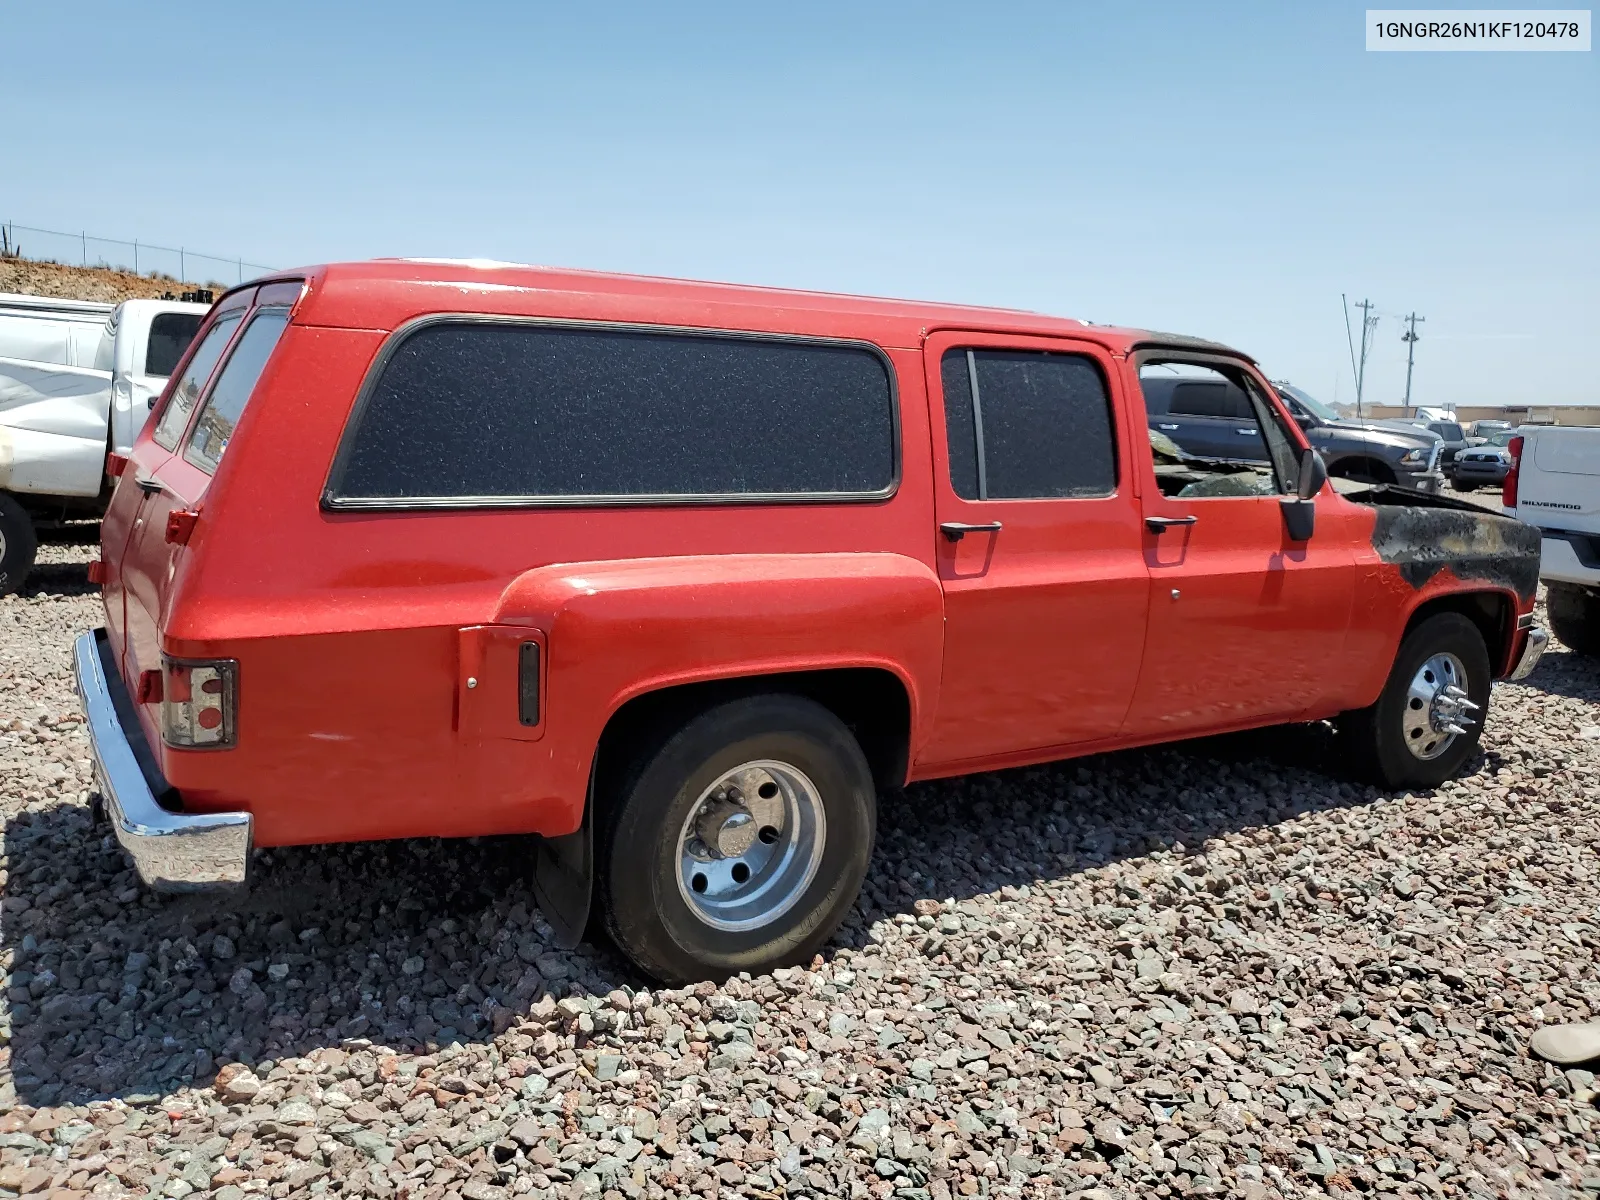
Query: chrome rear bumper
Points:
[1532, 652]
[172, 851]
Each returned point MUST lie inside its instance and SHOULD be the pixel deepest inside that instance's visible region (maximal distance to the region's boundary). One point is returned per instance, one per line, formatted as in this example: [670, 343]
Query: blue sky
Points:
[1225, 171]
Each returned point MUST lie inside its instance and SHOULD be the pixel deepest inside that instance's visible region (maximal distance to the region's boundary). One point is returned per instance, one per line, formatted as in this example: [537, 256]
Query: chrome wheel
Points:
[750, 845]
[1438, 709]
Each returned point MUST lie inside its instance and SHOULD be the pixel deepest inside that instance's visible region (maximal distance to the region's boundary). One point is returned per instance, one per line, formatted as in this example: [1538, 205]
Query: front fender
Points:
[617, 630]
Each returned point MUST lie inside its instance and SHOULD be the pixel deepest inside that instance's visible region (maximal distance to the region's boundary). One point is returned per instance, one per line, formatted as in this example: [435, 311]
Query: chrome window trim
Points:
[334, 502]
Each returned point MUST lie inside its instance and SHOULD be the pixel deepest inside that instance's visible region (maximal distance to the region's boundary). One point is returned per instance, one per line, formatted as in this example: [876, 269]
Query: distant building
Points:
[1524, 414]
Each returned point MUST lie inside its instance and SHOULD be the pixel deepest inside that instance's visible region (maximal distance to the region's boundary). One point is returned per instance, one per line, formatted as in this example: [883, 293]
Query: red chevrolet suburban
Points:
[679, 575]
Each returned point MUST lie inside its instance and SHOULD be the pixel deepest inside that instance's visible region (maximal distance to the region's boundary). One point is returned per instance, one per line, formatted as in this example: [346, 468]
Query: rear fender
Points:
[618, 630]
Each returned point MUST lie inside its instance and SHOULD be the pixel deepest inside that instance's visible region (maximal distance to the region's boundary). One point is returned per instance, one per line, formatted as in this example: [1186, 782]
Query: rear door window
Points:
[220, 416]
[175, 416]
[1211, 399]
[170, 335]
[480, 412]
[1026, 424]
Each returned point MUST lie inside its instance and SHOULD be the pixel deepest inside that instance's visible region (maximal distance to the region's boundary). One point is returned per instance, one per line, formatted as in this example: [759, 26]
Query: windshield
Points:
[1308, 402]
[1502, 437]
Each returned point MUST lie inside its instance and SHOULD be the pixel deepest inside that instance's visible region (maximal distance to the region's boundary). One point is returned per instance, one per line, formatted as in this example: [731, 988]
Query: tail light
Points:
[199, 702]
[1508, 494]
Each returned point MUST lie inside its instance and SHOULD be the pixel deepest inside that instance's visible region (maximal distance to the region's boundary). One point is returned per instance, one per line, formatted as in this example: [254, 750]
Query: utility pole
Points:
[1410, 338]
[1369, 322]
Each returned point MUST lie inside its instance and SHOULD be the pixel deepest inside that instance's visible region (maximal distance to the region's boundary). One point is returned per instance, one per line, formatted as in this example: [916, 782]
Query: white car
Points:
[67, 400]
[1554, 483]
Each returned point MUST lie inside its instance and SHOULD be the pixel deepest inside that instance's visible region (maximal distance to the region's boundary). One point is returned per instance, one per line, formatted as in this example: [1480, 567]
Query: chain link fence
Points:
[141, 258]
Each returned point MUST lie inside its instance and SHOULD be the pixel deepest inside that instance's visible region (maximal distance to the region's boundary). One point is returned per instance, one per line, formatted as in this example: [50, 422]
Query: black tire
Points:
[642, 906]
[1575, 617]
[1375, 736]
[18, 545]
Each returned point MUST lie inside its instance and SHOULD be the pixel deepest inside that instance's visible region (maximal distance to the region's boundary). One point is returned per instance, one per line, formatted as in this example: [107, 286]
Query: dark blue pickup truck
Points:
[1210, 417]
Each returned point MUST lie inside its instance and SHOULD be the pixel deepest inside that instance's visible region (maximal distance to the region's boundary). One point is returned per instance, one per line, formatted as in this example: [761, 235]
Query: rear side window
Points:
[220, 415]
[1027, 425]
[1211, 400]
[175, 416]
[170, 335]
[491, 412]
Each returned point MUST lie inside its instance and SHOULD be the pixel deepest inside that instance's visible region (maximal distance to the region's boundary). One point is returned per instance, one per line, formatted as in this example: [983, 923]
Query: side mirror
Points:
[1313, 474]
[1300, 513]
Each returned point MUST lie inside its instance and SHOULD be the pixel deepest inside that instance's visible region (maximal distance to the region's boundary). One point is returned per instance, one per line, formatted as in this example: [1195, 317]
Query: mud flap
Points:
[563, 878]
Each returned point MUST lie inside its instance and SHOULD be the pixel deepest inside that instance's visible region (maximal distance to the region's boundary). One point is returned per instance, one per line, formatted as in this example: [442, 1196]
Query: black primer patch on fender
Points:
[1422, 535]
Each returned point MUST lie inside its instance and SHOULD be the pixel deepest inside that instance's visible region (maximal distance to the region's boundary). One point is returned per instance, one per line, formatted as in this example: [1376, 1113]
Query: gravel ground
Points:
[1212, 971]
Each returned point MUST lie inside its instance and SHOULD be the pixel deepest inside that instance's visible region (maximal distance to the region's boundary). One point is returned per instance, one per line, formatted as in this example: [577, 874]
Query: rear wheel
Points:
[1427, 721]
[1575, 617]
[737, 842]
[18, 545]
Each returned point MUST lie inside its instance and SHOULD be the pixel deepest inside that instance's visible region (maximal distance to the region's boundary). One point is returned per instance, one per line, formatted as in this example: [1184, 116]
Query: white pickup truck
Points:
[1555, 484]
[77, 380]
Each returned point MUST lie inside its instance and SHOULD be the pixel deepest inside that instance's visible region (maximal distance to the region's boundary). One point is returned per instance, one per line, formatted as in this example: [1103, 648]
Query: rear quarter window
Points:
[467, 412]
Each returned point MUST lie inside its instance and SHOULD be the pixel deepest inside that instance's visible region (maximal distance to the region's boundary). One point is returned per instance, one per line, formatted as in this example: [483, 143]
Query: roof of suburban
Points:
[479, 279]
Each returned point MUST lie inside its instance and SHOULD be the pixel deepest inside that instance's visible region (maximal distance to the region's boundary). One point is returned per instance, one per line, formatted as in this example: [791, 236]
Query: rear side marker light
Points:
[199, 703]
[149, 689]
[528, 683]
[116, 464]
[97, 570]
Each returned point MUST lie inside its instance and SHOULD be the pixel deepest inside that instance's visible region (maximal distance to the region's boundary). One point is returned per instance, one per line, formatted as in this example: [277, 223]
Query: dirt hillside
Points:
[84, 283]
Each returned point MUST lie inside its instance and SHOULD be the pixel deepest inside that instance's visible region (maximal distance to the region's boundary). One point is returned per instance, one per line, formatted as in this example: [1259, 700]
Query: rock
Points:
[236, 1084]
[553, 967]
[295, 1112]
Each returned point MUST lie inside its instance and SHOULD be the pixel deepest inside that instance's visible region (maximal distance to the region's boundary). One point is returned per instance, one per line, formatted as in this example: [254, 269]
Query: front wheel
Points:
[738, 842]
[1429, 717]
[1575, 617]
[18, 545]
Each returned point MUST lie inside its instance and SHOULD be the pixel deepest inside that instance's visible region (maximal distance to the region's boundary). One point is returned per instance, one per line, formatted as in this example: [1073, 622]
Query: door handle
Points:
[956, 530]
[1162, 524]
[150, 487]
[1166, 426]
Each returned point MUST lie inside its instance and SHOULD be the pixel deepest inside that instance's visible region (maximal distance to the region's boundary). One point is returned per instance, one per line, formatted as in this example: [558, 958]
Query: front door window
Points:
[1213, 432]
